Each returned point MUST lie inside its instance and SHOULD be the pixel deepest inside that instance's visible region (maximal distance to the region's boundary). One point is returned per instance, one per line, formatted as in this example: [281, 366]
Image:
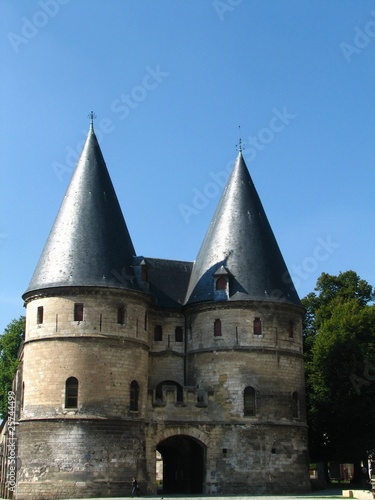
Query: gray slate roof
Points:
[167, 280]
[241, 240]
[89, 244]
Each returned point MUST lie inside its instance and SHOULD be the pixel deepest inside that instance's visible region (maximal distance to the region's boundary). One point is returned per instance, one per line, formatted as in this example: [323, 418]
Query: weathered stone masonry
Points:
[127, 356]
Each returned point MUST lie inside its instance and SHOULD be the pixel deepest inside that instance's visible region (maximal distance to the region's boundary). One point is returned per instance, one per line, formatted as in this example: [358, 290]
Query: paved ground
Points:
[315, 495]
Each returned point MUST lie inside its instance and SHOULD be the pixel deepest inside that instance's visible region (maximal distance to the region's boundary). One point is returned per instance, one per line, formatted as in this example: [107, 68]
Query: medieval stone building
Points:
[129, 358]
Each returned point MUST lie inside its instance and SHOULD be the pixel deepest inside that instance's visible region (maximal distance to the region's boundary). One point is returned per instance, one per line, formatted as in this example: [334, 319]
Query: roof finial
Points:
[92, 117]
[239, 145]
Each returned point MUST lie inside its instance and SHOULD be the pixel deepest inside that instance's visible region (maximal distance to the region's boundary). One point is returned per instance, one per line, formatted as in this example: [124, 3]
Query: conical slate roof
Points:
[240, 241]
[89, 244]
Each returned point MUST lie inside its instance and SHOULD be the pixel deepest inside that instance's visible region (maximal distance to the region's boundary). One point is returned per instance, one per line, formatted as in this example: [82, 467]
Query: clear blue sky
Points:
[170, 82]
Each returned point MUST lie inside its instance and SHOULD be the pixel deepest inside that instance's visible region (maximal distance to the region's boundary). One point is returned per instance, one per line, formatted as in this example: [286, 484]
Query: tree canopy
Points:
[339, 342]
[10, 343]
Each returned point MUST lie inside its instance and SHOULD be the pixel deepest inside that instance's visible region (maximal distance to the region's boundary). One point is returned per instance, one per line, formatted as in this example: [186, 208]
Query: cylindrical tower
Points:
[244, 346]
[85, 365]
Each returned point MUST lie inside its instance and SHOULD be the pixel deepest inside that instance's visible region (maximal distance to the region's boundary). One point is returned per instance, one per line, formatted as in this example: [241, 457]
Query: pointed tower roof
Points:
[89, 244]
[240, 240]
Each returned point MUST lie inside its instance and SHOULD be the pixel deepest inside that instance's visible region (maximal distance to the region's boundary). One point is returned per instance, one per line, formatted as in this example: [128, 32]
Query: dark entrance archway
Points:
[183, 464]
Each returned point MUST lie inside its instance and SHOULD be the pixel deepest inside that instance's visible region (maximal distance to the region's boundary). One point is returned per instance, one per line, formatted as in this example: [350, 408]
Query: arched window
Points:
[71, 393]
[249, 402]
[217, 328]
[134, 396]
[295, 404]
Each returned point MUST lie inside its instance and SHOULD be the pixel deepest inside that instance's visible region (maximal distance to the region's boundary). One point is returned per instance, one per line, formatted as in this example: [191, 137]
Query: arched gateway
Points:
[183, 464]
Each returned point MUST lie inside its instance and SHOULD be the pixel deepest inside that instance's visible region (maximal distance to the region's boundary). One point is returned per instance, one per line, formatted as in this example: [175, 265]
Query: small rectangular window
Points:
[217, 328]
[179, 334]
[39, 315]
[158, 333]
[257, 326]
[121, 315]
[78, 312]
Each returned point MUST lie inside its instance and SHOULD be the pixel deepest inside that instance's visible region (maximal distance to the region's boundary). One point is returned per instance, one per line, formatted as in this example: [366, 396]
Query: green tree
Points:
[339, 342]
[10, 343]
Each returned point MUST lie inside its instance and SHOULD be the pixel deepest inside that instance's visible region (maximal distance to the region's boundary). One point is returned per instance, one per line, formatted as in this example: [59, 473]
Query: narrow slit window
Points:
[121, 315]
[78, 312]
[134, 396]
[249, 402]
[291, 329]
[39, 315]
[179, 334]
[257, 326]
[295, 404]
[158, 333]
[144, 275]
[217, 328]
[71, 393]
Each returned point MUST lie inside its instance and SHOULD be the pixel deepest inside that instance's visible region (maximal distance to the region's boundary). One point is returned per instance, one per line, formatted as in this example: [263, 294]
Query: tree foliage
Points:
[10, 343]
[339, 342]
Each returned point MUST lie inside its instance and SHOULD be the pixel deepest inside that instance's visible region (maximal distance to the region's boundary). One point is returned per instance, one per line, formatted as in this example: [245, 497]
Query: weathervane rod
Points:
[92, 117]
[239, 146]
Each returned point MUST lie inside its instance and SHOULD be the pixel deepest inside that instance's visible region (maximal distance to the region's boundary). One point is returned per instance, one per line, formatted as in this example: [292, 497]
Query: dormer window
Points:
[221, 283]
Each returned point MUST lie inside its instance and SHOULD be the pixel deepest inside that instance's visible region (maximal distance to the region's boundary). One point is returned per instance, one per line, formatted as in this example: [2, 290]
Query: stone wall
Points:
[79, 458]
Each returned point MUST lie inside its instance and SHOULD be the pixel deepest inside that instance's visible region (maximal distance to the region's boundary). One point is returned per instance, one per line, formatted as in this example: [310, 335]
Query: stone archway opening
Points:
[183, 465]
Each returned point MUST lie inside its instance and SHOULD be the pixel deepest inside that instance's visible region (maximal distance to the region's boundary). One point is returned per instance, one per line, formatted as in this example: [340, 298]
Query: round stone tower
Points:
[85, 366]
[244, 345]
